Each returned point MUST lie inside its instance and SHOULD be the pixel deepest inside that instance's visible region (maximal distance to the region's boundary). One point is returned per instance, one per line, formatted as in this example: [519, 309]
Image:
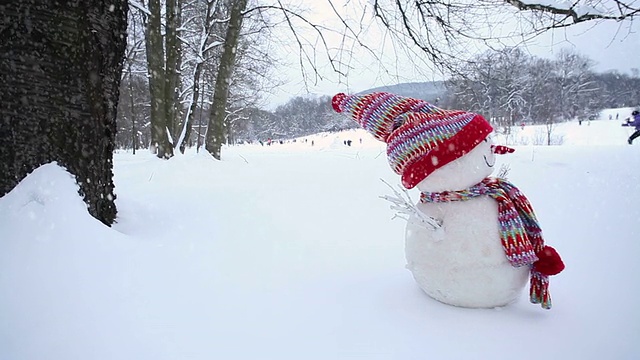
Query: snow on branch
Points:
[212, 45]
[140, 7]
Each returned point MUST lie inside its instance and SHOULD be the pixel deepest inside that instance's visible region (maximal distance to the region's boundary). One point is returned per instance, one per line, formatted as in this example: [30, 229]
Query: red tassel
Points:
[337, 101]
[549, 262]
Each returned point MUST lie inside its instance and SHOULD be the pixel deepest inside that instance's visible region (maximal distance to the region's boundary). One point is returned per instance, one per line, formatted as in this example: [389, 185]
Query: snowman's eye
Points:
[486, 140]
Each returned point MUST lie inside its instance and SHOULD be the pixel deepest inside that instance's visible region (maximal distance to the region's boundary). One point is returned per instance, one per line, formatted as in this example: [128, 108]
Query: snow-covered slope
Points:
[287, 252]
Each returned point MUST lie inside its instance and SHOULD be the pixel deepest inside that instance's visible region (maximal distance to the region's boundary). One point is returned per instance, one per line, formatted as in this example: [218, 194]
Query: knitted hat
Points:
[420, 137]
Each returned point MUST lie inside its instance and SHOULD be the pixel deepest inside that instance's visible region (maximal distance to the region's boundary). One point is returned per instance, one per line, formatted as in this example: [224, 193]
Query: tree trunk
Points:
[200, 137]
[61, 66]
[170, 68]
[155, 64]
[185, 134]
[179, 76]
[215, 131]
[134, 137]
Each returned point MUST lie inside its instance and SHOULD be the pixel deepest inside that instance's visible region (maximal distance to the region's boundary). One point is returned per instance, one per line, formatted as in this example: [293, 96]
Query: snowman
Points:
[472, 240]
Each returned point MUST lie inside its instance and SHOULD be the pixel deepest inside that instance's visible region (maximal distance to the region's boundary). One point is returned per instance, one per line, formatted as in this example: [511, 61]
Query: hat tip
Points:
[336, 102]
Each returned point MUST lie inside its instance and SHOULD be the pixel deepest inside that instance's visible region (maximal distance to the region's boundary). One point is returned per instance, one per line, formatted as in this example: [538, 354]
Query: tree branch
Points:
[625, 11]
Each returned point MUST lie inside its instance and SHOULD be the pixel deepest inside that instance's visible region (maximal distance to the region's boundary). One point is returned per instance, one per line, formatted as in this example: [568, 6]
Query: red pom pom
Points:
[336, 102]
[549, 262]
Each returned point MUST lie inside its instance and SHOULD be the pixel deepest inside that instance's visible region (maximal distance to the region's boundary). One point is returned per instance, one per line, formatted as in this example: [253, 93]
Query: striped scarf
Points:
[520, 232]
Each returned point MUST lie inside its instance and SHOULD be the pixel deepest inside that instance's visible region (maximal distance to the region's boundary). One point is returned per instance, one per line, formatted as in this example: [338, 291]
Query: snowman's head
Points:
[421, 138]
[464, 171]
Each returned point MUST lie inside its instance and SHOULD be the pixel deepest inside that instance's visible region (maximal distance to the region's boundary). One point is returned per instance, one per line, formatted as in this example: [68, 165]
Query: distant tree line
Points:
[300, 116]
[512, 87]
[509, 88]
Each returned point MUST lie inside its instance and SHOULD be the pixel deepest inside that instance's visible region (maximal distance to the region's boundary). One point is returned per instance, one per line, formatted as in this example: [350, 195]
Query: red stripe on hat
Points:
[336, 101]
[458, 145]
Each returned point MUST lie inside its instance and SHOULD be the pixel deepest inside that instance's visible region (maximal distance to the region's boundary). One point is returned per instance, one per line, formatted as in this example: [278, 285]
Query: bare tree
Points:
[513, 81]
[448, 32]
[555, 15]
[161, 73]
[171, 63]
[201, 40]
[215, 129]
[129, 116]
[203, 25]
[574, 75]
[543, 105]
[251, 77]
[510, 85]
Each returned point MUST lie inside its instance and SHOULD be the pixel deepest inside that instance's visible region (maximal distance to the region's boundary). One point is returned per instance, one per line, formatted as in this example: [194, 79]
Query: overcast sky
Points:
[612, 45]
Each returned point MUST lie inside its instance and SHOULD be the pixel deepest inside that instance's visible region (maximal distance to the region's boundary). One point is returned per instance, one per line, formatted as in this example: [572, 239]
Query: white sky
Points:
[610, 44]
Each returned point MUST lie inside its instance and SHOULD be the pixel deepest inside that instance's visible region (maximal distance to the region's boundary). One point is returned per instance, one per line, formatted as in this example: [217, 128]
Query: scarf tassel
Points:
[539, 291]
[549, 263]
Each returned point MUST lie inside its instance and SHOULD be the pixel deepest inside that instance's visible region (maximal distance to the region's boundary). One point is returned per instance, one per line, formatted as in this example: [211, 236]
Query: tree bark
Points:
[155, 64]
[134, 137]
[60, 69]
[215, 131]
[170, 67]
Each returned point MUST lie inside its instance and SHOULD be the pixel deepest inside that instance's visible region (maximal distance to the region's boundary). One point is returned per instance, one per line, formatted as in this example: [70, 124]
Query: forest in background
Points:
[168, 101]
[509, 88]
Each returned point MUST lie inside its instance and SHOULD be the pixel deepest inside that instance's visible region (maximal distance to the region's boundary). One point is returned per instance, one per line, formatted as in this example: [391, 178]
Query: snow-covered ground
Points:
[287, 252]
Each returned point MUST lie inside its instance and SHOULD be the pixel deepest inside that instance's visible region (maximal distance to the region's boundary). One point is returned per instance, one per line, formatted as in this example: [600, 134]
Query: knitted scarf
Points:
[520, 233]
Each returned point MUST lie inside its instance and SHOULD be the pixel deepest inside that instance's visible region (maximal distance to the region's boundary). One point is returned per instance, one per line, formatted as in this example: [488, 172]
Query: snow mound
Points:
[49, 193]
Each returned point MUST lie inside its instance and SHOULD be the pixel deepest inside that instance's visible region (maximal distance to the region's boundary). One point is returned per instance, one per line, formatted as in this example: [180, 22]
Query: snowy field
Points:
[287, 252]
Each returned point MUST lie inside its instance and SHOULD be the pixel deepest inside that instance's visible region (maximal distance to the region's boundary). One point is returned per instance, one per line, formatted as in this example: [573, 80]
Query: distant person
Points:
[617, 116]
[610, 117]
[636, 124]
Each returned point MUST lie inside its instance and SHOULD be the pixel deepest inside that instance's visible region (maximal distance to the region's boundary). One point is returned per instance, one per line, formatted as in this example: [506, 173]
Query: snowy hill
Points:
[287, 252]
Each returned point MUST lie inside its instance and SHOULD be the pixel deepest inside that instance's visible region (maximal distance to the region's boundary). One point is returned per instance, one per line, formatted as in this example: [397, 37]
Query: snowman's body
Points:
[463, 263]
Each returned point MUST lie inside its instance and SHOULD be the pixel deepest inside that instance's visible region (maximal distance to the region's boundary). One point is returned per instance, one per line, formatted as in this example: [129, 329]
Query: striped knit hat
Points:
[420, 137]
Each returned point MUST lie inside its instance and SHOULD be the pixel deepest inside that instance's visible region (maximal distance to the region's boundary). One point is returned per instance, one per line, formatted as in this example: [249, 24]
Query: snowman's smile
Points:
[487, 161]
